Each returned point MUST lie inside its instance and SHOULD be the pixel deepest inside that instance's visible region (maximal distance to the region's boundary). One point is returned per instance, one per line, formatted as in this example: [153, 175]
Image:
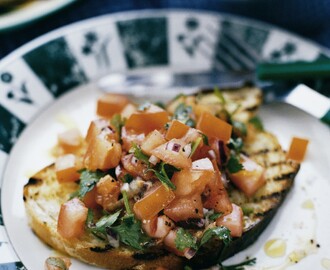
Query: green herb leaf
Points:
[126, 202]
[184, 239]
[88, 180]
[127, 178]
[233, 164]
[241, 127]
[214, 216]
[183, 114]
[165, 174]
[138, 153]
[240, 266]
[194, 145]
[205, 138]
[219, 95]
[117, 122]
[131, 234]
[186, 267]
[236, 144]
[257, 123]
[104, 222]
[221, 232]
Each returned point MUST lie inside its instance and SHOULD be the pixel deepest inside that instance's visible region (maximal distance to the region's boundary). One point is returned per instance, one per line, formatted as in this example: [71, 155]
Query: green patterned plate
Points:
[54, 75]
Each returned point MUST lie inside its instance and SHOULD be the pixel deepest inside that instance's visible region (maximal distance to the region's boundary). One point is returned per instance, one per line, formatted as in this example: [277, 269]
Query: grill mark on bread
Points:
[149, 256]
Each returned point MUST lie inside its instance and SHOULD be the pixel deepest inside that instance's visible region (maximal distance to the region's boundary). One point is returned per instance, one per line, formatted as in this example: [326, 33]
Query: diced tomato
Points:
[99, 126]
[66, 169]
[153, 140]
[183, 208]
[158, 227]
[128, 110]
[70, 140]
[130, 137]
[147, 120]
[192, 180]
[176, 130]
[89, 199]
[233, 221]
[110, 104]
[216, 196]
[172, 153]
[72, 218]
[297, 149]
[136, 167]
[107, 191]
[251, 178]
[153, 202]
[102, 154]
[212, 126]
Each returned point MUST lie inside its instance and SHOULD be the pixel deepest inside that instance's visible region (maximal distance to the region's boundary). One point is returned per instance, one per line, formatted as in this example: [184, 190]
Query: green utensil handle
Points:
[318, 69]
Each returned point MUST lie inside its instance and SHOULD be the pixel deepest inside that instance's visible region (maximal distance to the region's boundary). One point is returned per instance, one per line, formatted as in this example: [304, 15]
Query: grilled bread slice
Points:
[43, 196]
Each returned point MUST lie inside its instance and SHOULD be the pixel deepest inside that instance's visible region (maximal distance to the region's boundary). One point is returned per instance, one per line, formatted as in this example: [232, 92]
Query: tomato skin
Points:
[233, 221]
[251, 178]
[95, 128]
[153, 202]
[136, 167]
[107, 191]
[158, 227]
[217, 197]
[183, 208]
[72, 218]
[66, 168]
[176, 130]
[110, 104]
[153, 140]
[131, 137]
[177, 159]
[70, 141]
[147, 120]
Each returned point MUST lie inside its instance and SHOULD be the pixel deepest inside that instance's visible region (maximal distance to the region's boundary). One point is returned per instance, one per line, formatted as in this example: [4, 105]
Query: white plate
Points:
[35, 94]
[30, 11]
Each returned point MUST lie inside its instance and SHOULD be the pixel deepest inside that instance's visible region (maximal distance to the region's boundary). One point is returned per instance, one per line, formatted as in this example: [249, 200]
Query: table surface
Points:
[309, 19]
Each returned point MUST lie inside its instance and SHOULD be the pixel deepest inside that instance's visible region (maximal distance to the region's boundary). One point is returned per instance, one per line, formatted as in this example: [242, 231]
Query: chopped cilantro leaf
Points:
[194, 145]
[214, 216]
[138, 153]
[118, 122]
[257, 123]
[186, 267]
[182, 113]
[184, 239]
[240, 127]
[221, 232]
[240, 266]
[130, 233]
[88, 180]
[236, 144]
[126, 202]
[233, 164]
[219, 95]
[127, 178]
[160, 104]
[205, 138]
[164, 174]
[106, 221]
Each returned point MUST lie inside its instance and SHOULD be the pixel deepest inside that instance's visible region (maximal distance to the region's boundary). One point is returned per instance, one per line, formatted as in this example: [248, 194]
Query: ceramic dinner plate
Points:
[51, 84]
[29, 11]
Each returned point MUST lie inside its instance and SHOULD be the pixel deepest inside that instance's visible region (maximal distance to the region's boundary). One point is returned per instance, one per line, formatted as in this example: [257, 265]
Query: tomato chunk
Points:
[251, 178]
[172, 152]
[212, 126]
[216, 196]
[131, 137]
[155, 201]
[110, 104]
[102, 154]
[136, 167]
[176, 130]
[99, 126]
[233, 221]
[72, 218]
[107, 191]
[70, 140]
[66, 169]
[147, 120]
[158, 227]
[297, 150]
[183, 208]
[153, 140]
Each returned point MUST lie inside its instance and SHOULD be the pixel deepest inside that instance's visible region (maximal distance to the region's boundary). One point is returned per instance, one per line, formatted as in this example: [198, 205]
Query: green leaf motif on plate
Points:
[56, 66]
[144, 41]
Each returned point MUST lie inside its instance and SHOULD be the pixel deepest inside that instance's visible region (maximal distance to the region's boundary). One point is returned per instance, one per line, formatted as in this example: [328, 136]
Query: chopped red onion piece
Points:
[173, 146]
[153, 160]
[189, 253]
[212, 154]
[222, 152]
[187, 150]
[112, 238]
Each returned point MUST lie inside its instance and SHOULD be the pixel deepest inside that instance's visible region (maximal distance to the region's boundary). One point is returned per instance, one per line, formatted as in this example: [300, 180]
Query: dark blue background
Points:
[308, 18]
